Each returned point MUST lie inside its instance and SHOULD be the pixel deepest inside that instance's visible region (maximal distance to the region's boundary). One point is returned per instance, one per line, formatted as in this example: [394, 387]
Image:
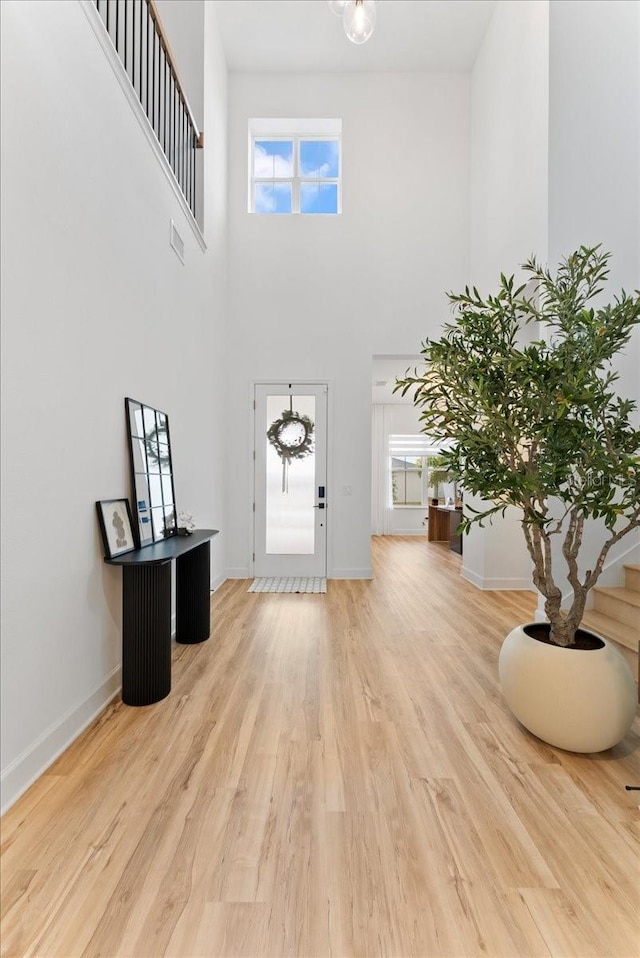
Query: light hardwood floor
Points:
[331, 775]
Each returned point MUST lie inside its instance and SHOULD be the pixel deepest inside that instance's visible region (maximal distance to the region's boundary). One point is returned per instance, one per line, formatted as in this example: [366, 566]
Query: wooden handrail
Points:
[155, 16]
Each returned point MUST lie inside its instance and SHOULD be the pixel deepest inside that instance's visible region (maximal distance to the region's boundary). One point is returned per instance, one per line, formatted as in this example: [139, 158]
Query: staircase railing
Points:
[137, 34]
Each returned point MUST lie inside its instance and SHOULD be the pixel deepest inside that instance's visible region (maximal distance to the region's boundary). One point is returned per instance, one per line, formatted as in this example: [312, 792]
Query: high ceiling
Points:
[304, 36]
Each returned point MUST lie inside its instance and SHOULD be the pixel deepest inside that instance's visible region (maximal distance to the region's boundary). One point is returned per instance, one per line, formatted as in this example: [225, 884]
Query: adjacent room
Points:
[258, 693]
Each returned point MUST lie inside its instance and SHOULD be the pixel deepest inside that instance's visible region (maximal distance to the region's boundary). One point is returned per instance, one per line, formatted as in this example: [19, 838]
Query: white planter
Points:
[579, 700]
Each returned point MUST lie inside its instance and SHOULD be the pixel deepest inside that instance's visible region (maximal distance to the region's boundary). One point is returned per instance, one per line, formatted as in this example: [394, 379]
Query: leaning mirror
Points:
[151, 472]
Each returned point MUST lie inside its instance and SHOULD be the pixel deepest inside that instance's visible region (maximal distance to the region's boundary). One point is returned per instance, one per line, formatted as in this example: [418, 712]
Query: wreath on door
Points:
[292, 437]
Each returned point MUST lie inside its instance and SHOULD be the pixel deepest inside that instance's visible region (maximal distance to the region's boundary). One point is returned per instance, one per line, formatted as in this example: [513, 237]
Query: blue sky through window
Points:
[273, 158]
[319, 158]
[293, 174]
[272, 198]
[318, 197]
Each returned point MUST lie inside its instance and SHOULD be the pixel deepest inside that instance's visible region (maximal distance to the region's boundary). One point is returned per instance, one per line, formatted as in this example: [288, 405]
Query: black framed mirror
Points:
[151, 472]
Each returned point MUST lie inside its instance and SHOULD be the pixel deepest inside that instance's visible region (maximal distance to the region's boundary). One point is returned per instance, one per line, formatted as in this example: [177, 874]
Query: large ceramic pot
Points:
[582, 700]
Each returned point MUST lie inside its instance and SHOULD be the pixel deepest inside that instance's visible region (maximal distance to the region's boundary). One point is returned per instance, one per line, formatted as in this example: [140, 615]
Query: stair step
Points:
[632, 577]
[611, 629]
[620, 604]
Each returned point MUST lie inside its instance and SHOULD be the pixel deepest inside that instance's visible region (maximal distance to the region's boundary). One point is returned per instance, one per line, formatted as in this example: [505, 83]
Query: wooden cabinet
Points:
[443, 523]
[455, 538]
[438, 527]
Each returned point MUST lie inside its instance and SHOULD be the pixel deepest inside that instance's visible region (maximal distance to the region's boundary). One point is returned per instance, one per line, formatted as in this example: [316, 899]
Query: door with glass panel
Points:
[290, 522]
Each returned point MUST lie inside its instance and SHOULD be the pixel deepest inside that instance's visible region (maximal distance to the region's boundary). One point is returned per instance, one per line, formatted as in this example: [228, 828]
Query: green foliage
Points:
[530, 422]
[439, 471]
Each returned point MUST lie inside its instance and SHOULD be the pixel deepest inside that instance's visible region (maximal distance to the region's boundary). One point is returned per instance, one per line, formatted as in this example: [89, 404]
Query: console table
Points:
[146, 610]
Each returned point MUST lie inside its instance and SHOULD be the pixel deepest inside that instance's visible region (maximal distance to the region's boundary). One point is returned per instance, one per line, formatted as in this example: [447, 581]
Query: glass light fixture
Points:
[337, 6]
[359, 19]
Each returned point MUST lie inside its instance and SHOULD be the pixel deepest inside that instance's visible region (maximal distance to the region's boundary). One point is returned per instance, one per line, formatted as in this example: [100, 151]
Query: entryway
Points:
[290, 501]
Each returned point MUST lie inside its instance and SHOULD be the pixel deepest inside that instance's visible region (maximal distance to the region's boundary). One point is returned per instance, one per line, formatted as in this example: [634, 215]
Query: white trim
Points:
[289, 126]
[407, 532]
[218, 581]
[294, 131]
[351, 574]
[497, 584]
[240, 572]
[40, 755]
[113, 59]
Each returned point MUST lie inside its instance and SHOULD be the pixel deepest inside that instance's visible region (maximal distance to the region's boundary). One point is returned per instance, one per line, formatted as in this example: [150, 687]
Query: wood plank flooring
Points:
[332, 775]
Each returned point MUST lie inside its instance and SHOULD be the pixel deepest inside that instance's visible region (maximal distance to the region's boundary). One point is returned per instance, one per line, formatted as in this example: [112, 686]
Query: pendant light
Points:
[358, 17]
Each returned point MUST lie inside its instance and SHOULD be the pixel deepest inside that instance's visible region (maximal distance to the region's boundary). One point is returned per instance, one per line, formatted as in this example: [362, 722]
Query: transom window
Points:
[295, 170]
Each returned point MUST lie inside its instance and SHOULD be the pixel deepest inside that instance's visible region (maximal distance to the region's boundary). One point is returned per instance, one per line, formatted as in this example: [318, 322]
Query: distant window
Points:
[407, 485]
[410, 463]
[295, 166]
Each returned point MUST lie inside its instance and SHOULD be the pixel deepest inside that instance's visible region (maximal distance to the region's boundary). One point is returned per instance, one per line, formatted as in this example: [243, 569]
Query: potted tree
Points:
[538, 426]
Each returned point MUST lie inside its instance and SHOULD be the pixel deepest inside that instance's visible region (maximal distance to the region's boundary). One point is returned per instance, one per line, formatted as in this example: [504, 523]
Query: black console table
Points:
[146, 610]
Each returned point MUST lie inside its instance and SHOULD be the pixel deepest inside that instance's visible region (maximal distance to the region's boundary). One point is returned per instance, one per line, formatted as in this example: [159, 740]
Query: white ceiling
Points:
[304, 36]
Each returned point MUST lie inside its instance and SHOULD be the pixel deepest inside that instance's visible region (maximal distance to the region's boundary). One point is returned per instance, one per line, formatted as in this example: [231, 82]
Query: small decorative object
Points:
[186, 524]
[114, 516]
[292, 437]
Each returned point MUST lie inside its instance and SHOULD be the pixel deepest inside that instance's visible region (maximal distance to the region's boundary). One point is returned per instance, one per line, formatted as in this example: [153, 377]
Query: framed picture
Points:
[114, 516]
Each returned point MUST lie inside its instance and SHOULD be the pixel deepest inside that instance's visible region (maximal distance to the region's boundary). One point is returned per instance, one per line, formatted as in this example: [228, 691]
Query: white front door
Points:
[290, 524]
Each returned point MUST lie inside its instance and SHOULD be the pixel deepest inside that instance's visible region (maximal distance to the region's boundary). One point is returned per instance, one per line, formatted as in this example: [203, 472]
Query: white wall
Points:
[509, 124]
[315, 297]
[594, 167]
[95, 307]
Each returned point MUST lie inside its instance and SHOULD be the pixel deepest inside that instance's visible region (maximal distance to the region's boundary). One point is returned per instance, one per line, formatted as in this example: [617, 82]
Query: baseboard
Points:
[218, 581]
[34, 761]
[406, 532]
[242, 572]
[498, 584]
[351, 574]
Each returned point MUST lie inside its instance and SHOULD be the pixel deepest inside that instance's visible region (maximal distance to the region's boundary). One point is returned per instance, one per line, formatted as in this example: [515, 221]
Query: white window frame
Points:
[402, 446]
[294, 131]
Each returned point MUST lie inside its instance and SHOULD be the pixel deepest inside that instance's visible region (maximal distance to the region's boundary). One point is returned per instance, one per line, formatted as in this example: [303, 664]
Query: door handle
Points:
[320, 505]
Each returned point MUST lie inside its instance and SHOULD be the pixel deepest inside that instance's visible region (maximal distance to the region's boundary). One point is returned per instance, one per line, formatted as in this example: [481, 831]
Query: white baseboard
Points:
[406, 532]
[351, 574]
[242, 572]
[217, 582]
[497, 584]
[30, 765]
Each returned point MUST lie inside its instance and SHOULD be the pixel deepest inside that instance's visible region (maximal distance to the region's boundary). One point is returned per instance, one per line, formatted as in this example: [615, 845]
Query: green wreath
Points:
[291, 436]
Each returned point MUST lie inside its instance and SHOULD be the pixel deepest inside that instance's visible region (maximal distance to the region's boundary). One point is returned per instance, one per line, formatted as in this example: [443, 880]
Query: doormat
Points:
[289, 584]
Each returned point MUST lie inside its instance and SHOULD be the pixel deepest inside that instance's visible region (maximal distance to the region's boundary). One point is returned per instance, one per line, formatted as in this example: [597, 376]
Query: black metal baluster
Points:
[167, 94]
[171, 153]
[108, 11]
[141, 45]
[188, 158]
[176, 158]
[126, 25]
[148, 58]
[183, 141]
[133, 43]
[153, 77]
[117, 24]
[181, 138]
